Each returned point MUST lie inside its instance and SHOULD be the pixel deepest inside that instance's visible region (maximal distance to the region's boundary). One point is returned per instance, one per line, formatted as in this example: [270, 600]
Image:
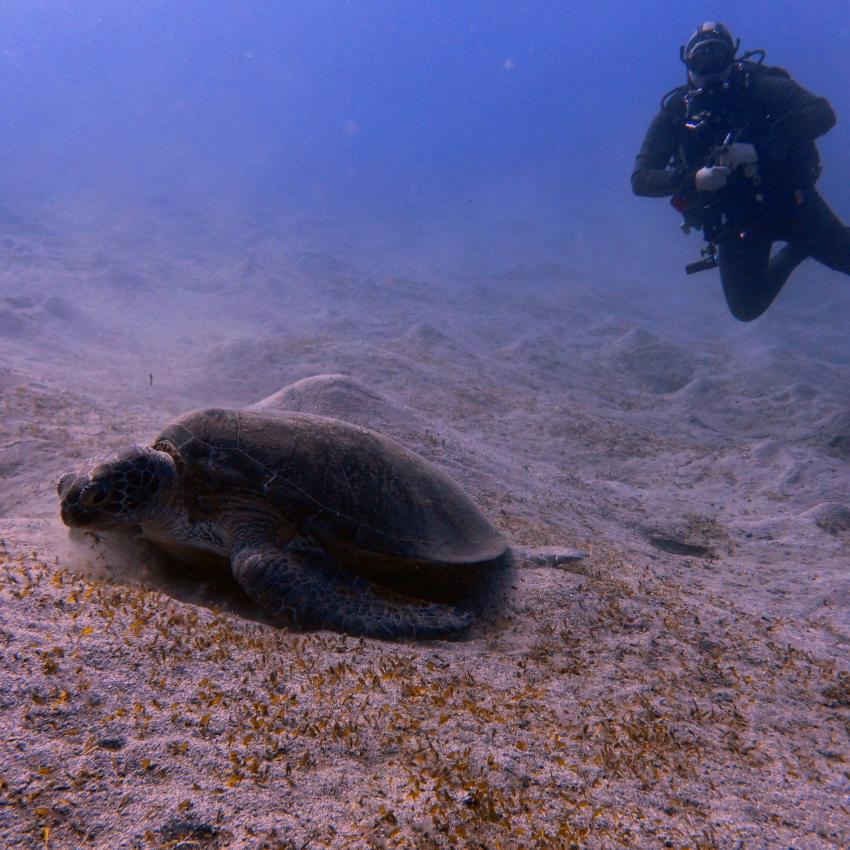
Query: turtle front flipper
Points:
[287, 582]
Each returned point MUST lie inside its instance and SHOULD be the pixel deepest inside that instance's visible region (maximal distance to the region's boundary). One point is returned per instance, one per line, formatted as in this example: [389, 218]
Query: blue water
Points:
[404, 111]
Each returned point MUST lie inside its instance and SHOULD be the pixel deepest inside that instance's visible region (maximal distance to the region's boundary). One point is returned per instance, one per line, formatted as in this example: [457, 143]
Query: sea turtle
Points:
[304, 507]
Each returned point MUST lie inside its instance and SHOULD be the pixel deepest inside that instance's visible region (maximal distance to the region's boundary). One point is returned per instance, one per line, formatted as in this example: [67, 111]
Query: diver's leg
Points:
[783, 262]
[744, 274]
[823, 235]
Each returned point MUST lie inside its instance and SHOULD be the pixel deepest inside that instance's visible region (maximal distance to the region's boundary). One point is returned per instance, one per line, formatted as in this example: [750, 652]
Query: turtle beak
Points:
[76, 493]
[73, 516]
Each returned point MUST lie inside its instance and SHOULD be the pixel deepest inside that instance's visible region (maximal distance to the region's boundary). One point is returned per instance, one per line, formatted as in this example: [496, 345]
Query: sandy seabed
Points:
[685, 686]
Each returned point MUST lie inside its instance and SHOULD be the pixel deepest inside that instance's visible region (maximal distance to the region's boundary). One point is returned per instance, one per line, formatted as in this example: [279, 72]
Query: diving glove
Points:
[711, 178]
[738, 153]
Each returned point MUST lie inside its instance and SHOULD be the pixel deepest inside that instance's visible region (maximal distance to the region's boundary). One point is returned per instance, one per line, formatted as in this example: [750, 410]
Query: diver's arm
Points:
[799, 117]
[652, 177]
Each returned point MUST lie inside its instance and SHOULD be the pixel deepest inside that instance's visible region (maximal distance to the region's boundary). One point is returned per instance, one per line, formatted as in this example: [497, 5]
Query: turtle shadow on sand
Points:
[325, 524]
[133, 561]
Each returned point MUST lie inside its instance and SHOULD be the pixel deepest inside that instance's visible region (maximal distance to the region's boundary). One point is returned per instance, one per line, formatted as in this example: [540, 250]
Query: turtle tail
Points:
[313, 593]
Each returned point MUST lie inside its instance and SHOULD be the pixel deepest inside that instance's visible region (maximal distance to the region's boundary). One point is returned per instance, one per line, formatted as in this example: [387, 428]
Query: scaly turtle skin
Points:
[303, 506]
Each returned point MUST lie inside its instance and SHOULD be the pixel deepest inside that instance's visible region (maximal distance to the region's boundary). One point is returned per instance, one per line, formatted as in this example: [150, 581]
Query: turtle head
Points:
[121, 493]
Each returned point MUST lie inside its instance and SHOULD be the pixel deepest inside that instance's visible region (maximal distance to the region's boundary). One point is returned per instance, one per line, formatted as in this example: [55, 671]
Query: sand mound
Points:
[832, 435]
[424, 340]
[238, 372]
[121, 276]
[700, 394]
[657, 366]
[317, 264]
[428, 336]
[56, 325]
[12, 323]
[342, 397]
[27, 316]
[832, 517]
[775, 370]
[543, 350]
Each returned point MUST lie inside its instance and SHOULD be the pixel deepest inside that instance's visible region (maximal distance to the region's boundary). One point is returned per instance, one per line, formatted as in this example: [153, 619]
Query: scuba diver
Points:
[735, 148]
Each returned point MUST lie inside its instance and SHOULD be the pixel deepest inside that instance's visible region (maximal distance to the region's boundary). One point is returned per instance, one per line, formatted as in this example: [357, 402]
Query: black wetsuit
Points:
[782, 120]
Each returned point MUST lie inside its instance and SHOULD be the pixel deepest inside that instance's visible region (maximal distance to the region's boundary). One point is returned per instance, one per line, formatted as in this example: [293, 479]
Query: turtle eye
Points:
[98, 498]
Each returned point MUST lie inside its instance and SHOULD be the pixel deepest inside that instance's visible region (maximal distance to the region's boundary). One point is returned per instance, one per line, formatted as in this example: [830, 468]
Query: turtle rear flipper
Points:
[287, 582]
